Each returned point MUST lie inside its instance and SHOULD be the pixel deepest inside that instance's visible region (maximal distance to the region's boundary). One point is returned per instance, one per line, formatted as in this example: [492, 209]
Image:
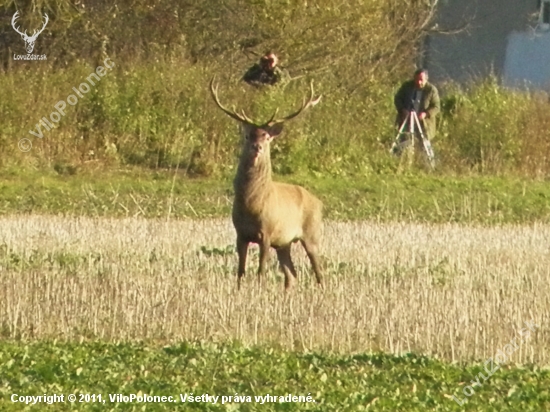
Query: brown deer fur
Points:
[268, 213]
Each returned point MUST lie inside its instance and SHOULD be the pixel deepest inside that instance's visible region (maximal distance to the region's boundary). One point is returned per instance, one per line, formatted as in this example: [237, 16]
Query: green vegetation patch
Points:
[348, 383]
[170, 194]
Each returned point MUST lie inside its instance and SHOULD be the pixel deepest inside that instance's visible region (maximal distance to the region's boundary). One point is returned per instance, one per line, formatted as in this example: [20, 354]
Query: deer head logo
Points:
[29, 40]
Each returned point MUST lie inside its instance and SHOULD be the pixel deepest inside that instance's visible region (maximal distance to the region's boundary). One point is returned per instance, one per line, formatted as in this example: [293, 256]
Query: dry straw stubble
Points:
[455, 292]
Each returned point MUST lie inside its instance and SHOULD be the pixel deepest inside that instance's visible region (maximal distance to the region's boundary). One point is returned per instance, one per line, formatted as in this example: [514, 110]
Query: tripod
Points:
[405, 138]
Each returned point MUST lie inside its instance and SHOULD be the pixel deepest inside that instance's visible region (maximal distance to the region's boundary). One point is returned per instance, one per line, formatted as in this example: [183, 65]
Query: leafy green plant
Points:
[330, 383]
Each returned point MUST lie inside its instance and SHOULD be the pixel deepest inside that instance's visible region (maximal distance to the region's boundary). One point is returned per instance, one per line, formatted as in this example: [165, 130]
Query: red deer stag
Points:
[268, 213]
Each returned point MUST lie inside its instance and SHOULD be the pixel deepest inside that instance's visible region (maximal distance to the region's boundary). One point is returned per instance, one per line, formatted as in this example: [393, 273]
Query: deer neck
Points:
[253, 180]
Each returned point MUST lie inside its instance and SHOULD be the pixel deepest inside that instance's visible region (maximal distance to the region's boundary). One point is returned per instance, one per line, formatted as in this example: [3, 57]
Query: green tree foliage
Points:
[361, 34]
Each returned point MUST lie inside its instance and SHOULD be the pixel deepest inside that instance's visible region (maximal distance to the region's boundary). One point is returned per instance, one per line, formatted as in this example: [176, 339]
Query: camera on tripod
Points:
[409, 129]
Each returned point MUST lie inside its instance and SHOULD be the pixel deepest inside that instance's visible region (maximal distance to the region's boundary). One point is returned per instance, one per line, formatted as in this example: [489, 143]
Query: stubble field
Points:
[457, 293]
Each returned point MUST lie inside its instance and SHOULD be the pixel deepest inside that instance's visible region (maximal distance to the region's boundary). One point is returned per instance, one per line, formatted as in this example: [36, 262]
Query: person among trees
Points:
[266, 72]
[422, 97]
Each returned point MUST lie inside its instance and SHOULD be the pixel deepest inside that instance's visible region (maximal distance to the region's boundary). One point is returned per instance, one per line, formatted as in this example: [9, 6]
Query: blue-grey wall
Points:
[481, 48]
[527, 61]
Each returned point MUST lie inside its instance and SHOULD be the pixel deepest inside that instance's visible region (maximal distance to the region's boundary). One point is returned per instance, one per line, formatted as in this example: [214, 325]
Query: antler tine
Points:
[248, 119]
[273, 117]
[14, 18]
[231, 113]
[311, 102]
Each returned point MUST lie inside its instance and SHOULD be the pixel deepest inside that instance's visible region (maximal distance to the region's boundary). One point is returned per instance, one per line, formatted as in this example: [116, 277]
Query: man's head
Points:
[269, 61]
[420, 78]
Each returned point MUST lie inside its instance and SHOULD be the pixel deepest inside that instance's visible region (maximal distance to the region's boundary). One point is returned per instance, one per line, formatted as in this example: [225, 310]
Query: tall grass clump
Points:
[490, 129]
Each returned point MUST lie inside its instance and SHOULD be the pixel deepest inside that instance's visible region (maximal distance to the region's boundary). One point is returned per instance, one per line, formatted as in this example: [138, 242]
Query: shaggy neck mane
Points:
[252, 182]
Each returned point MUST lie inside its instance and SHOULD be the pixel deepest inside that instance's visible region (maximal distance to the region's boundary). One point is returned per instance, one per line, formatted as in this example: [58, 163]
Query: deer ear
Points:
[275, 130]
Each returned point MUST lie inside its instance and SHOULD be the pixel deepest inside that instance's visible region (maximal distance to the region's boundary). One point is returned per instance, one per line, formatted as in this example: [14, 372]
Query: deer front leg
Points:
[242, 250]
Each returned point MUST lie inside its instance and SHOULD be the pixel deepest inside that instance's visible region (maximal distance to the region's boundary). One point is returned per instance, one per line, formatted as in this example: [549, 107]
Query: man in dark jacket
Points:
[422, 97]
[264, 73]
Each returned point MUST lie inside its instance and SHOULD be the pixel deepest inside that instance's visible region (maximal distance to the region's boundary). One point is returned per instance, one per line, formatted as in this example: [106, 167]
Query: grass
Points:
[376, 382]
[166, 194]
[457, 293]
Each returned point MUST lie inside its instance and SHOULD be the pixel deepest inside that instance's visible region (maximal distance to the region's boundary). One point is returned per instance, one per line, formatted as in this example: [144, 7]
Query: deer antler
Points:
[15, 17]
[35, 33]
[243, 118]
[311, 102]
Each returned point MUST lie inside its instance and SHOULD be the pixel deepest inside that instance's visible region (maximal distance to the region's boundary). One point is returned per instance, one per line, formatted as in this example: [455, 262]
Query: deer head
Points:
[29, 40]
[258, 136]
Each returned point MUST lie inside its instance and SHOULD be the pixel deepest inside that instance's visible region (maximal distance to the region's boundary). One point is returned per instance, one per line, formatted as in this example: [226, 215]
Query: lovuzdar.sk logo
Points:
[29, 40]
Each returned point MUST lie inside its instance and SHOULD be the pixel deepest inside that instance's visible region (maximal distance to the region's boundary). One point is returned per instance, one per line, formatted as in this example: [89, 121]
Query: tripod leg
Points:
[399, 143]
[425, 143]
[406, 144]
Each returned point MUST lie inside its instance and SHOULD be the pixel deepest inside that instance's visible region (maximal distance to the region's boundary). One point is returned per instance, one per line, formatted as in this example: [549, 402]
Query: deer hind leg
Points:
[264, 256]
[286, 265]
[312, 250]
[242, 250]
